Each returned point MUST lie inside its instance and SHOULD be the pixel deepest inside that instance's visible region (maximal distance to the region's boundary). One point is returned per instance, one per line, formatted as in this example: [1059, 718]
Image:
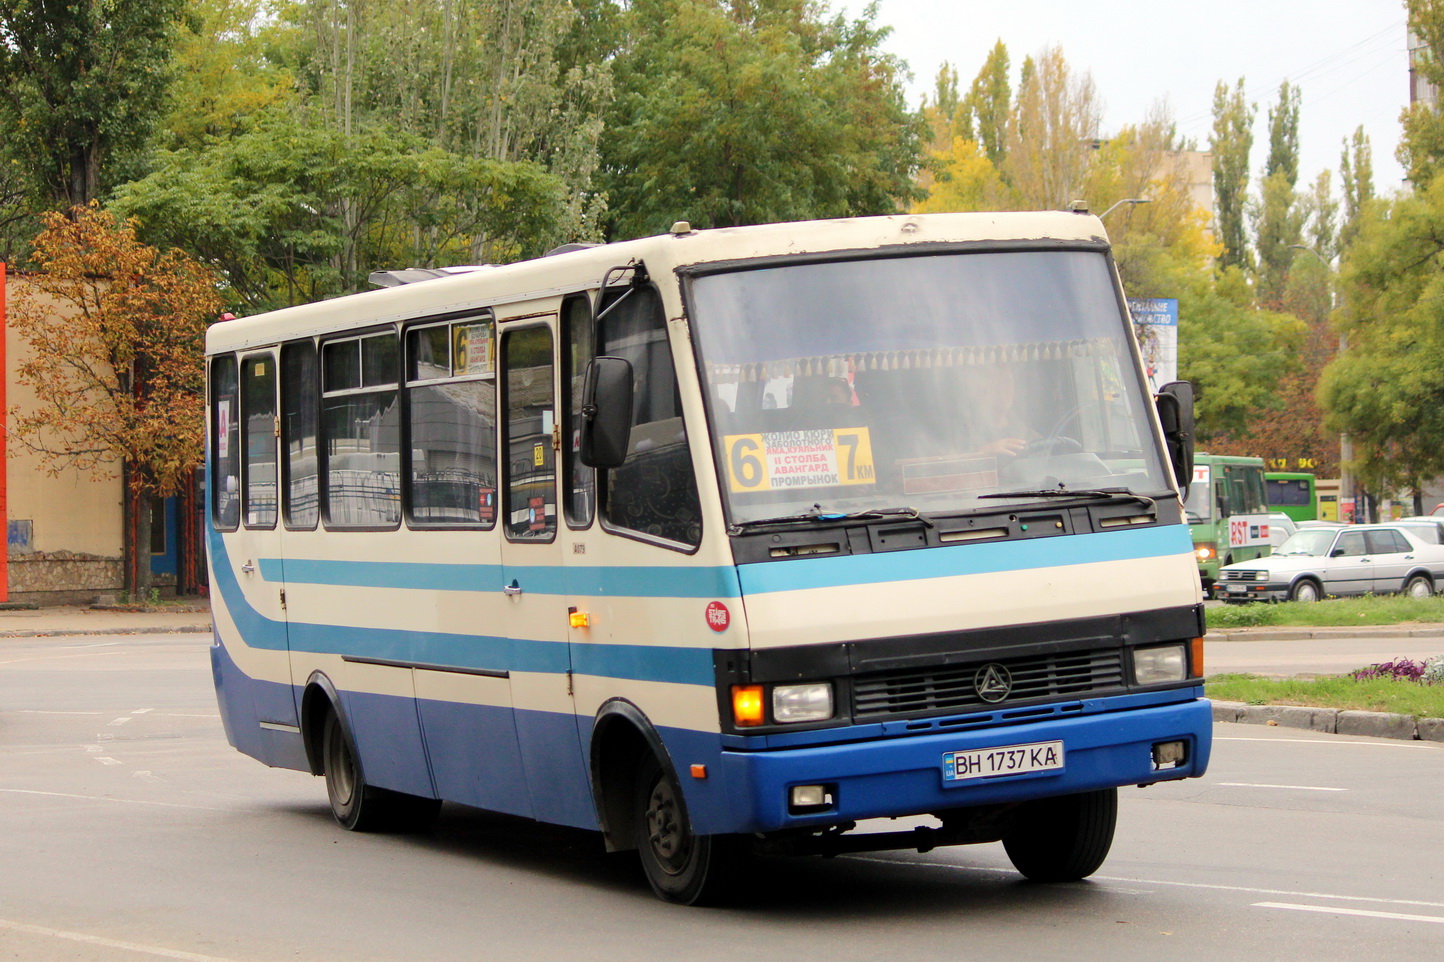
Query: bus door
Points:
[254, 550]
[534, 580]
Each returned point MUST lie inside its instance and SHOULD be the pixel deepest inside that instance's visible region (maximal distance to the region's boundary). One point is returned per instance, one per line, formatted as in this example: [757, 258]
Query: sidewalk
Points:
[193, 616]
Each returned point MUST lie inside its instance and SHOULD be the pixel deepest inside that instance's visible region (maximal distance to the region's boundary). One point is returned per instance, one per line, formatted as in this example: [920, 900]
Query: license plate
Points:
[997, 762]
[1236, 589]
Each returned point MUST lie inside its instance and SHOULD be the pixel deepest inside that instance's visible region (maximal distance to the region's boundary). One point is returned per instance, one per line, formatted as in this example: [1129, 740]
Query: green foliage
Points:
[751, 112]
[1387, 389]
[1356, 169]
[1421, 149]
[1050, 136]
[1231, 142]
[81, 83]
[1388, 695]
[1279, 218]
[290, 213]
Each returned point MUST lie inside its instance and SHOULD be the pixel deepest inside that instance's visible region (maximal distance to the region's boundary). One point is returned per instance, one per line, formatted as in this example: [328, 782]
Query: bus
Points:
[1228, 513]
[1293, 493]
[719, 543]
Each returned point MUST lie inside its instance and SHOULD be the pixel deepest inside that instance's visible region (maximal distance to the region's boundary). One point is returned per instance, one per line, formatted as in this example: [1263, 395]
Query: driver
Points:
[994, 413]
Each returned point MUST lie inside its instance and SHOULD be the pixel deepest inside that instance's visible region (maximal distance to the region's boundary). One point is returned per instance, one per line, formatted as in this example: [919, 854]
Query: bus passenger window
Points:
[531, 500]
[225, 481]
[451, 390]
[361, 427]
[655, 490]
[258, 407]
[299, 419]
[579, 483]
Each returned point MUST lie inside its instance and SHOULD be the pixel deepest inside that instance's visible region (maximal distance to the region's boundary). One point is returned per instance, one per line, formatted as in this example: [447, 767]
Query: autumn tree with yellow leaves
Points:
[116, 333]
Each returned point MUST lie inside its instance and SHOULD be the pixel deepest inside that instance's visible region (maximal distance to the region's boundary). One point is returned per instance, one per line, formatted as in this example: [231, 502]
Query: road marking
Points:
[41, 711]
[106, 760]
[128, 801]
[1338, 742]
[1205, 886]
[100, 940]
[142, 711]
[1328, 910]
[119, 721]
[1291, 788]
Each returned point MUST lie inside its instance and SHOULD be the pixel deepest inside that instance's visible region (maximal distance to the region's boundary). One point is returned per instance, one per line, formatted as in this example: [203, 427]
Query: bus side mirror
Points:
[606, 412]
[1175, 410]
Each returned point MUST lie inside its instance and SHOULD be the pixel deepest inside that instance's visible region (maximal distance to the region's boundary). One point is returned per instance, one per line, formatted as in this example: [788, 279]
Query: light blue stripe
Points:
[967, 559]
[642, 581]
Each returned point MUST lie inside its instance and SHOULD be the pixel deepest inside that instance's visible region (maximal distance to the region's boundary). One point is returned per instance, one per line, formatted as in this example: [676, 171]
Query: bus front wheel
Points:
[357, 806]
[1063, 839]
[681, 867]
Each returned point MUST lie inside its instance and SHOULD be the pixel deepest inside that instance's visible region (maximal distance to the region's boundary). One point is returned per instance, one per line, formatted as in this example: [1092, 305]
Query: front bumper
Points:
[903, 776]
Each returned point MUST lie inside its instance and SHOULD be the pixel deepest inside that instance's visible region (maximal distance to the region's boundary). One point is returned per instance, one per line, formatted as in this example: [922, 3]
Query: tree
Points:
[117, 372]
[81, 84]
[1231, 142]
[1278, 220]
[1421, 149]
[753, 111]
[1387, 389]
[989, 104]
[1051, 133]
[286, 212]
[1356, 169]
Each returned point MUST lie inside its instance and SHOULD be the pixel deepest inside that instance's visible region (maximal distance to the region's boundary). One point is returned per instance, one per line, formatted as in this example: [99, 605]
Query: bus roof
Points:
[584, 269]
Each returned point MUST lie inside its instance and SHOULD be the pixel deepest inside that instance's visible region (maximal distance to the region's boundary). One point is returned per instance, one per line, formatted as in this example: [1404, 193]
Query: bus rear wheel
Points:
[681, 867]
[1063, 839]
[357, 806]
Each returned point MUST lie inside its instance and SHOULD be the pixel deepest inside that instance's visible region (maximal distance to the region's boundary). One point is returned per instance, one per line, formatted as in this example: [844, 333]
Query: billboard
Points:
[1155, 320]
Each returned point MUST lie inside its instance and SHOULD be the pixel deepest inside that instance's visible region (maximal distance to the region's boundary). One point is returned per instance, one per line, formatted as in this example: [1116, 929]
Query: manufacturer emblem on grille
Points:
[993, 682]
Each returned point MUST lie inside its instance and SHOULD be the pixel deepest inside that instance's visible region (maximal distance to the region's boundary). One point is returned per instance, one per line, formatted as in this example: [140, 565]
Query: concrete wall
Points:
[64, 531]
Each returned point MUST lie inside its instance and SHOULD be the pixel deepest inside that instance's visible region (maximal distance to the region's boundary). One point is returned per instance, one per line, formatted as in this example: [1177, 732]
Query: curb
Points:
[1335, 721]
[78, 632]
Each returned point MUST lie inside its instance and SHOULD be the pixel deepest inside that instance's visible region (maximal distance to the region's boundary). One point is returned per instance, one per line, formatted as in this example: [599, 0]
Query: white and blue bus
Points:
[718, 543]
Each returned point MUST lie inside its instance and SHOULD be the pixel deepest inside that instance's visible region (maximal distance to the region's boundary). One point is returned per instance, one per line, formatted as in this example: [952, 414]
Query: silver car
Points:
[1355, 559]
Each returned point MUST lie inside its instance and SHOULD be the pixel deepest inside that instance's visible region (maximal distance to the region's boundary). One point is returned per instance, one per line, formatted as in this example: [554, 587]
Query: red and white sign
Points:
[718, 617]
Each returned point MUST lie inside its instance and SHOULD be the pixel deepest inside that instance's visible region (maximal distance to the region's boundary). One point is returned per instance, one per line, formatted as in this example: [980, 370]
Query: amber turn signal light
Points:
[747, 708]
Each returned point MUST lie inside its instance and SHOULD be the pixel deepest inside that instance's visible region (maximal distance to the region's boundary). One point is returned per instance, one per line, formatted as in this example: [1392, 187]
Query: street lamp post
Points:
[1346, 446]
[1126, 200]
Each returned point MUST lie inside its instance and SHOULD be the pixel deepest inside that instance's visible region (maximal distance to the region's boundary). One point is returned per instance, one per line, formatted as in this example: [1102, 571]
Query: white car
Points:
[1281, 528]
[1354, 559]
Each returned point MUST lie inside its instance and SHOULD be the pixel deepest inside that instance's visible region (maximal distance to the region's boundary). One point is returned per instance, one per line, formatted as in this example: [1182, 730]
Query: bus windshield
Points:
[940, 383]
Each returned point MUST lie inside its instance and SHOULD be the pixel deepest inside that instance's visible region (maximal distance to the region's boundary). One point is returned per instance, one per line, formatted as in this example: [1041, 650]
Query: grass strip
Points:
[1335, 612]
[1333, 691]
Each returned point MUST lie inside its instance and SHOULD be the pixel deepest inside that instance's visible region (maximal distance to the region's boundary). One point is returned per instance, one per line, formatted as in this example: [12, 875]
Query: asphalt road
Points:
[129, 830]
[1312, 656]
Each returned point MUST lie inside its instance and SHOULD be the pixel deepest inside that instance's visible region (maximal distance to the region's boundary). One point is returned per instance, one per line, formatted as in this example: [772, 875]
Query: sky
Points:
[1349, 58]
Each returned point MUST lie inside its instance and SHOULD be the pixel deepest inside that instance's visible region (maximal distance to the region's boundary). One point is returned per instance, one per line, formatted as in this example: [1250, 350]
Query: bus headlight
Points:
[801, 703]
[1154, 666]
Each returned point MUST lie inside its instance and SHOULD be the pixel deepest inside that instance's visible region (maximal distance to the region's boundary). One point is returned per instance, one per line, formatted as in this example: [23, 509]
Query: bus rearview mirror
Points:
[1175, 410]
[606, 412]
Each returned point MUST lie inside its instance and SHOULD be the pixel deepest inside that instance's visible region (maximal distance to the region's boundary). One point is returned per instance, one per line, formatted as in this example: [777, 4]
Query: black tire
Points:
[1419, 586]
[1063, 839]
[357, 806]
[1306, 590]
[681, 867]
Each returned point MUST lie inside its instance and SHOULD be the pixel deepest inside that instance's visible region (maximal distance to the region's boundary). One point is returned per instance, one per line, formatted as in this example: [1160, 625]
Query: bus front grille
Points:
[928, 691]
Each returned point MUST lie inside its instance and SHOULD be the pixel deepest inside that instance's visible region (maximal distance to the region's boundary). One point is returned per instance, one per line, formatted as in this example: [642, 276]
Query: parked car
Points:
[1429, 528]
[1346, 560]
[1281, 528]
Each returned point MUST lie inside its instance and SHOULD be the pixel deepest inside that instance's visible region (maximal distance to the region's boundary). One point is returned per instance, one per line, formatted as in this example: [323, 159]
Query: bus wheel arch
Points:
[622, 739]
[319, 699]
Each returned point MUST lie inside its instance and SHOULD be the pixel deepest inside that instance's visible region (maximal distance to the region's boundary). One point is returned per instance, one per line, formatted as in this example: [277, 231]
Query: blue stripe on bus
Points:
[969, 559]
[691, 666]
[647, 581]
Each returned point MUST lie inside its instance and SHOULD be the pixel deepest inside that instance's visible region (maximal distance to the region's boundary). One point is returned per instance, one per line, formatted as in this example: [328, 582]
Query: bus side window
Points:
[654, 491]
[225, 480]
[530, 507]
[451, 395]
[579, 483]
[361, 427]
[300, 416]
[258, 408]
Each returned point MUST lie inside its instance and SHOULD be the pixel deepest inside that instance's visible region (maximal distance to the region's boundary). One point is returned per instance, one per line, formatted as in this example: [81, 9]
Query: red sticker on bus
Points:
[718, 617]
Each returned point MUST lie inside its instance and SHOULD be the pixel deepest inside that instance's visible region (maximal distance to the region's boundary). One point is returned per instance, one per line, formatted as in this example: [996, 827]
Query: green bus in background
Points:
[1294, 493]
[1228, 513]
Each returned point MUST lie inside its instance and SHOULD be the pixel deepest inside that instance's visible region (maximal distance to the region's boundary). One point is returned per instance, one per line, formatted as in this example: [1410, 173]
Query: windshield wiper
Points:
[1081, 494]
[819, 516]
